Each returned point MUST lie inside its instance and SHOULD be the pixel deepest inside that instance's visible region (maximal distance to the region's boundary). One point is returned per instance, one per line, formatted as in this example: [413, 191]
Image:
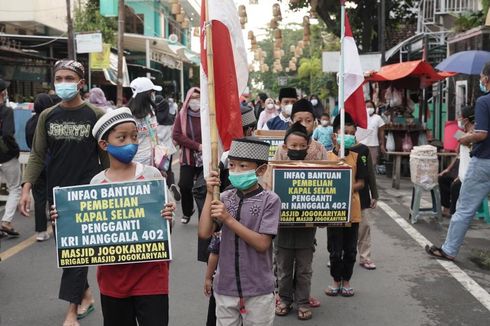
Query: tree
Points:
[87, 18]
[364, 18]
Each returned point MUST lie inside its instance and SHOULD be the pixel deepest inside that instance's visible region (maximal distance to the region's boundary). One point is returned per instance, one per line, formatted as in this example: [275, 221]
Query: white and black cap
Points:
[249, 149]
[143, 84]
[111, 119]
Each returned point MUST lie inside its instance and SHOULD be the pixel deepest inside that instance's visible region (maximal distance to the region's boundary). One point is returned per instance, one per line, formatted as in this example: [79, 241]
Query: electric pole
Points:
[381, 29]
[120, 52]
[71, 41]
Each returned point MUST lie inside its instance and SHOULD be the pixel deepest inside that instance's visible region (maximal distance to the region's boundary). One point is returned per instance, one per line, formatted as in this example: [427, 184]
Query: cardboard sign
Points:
[274, 137]
[113, 223]
[312, 193]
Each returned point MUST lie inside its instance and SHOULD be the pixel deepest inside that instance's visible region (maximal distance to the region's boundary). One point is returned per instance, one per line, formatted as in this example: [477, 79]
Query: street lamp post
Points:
[120, 53]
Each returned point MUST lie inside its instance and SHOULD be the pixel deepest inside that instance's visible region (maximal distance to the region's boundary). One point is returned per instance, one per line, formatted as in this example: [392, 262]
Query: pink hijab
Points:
[184, 120]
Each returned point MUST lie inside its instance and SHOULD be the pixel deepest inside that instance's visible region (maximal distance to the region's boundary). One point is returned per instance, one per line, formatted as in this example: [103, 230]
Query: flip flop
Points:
[87, 312]
[282, 309]
[314, 302]
[438, 253]
[304, 313]
[9, 231]
[369, 265]
[332, 292]
[347, 292]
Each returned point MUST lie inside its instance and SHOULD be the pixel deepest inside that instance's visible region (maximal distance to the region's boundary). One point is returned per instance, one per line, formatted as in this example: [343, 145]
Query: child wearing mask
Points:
[342, 241]
[287, 97]
[244, 282]
[323, 133]
[295, 246]
[135, 291]
[268, 113]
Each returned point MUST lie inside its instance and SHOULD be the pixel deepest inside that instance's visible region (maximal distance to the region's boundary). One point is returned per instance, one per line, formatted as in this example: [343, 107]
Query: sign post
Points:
[116, 223]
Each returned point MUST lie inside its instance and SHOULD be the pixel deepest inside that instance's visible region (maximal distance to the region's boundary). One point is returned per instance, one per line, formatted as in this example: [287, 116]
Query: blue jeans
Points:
[474, 189]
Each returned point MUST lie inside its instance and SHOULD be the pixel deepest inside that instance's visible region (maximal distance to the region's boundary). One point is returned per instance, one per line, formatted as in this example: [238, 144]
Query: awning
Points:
[160, 50]
[407, 72]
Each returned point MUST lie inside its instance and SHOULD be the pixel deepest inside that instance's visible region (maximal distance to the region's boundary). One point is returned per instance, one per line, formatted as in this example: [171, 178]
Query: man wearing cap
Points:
[287, 97]
[64, 139]
[9, 161]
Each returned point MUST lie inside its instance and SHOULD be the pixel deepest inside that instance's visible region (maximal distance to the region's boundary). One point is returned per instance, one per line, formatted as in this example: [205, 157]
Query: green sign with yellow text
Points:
[112, 223]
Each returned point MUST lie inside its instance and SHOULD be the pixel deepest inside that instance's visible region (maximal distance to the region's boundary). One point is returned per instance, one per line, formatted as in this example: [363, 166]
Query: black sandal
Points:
[9, 231]
[438, 253]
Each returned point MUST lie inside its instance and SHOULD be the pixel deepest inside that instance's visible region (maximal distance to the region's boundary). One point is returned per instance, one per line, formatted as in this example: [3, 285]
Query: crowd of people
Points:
[256, 269]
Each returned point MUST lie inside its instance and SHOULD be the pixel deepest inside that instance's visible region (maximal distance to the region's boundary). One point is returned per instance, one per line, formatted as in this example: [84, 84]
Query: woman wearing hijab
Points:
[317, 107]
[187, 134]
[268, 113]
[142, 105]
[97, 98]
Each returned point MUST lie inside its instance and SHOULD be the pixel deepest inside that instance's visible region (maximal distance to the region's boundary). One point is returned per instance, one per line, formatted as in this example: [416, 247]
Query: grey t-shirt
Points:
[260, 211]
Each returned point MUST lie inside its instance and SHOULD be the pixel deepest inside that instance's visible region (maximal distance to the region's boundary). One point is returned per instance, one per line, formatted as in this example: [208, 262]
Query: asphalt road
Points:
[408, 287]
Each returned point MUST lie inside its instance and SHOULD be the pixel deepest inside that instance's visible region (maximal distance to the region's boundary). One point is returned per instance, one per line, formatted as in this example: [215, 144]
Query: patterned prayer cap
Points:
[72, 65]
[248, 118]
[249, 149]
[111, 119]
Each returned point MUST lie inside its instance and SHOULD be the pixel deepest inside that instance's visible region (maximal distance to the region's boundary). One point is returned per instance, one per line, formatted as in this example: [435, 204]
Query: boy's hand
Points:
[208, 287]
[219, 212]
[212, 180]
[374, 203]
[168, 211]
[53, 213]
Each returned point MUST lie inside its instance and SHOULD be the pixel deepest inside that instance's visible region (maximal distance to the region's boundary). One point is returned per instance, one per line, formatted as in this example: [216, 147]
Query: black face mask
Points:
[297, 155]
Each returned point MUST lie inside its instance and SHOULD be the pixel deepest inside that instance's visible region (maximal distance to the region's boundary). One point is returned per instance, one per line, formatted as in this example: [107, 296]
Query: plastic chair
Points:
[415, 210]
[482, 213]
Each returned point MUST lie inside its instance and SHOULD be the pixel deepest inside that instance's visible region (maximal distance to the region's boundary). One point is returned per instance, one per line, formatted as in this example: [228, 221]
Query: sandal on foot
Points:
[87, 311]
[368, 265]
[347, 292]
[185, 220]
[282, 309]
[438, 253]
[332, 292]
[10, 231]
[304, 313]
[314, 302]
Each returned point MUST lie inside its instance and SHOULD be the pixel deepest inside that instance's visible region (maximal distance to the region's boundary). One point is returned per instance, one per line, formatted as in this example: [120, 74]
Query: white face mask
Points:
[270, 106]
[461, 124]
[195, 104]
[370, 111]
[314, 102]
[288, 109]
[324, 123]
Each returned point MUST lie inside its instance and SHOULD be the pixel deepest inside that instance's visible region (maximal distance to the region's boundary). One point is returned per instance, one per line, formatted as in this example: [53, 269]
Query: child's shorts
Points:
[259, 310]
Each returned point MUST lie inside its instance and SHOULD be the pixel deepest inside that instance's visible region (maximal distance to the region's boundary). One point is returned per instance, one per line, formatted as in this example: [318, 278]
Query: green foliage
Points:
[468, 21]
[309, 76]
[88, 19]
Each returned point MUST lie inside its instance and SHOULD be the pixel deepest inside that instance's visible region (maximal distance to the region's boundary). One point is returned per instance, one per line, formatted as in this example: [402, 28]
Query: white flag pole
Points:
[341, 80]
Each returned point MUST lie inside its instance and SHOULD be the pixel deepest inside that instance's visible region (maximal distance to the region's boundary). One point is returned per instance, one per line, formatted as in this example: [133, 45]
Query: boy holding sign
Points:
[134, 291]
[342, 241]
[249, 215]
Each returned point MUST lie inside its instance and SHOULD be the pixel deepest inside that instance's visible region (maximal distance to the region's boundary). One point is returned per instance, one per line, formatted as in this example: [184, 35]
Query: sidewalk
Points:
[475, 252]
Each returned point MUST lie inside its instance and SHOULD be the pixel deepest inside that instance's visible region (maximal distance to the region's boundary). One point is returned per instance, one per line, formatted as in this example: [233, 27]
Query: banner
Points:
[313, 193]
[274, 137]
[100, 60]
[113, 223]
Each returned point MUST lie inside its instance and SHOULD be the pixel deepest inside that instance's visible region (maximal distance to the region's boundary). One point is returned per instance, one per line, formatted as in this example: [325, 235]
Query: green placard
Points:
[275, 143]
[112, 223]
[313, 195]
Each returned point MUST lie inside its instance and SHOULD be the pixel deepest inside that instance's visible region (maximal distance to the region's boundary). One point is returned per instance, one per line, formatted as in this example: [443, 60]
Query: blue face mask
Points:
[66, 91]
[483, 88]
[123, 154]
[243, 180]
[349, 141]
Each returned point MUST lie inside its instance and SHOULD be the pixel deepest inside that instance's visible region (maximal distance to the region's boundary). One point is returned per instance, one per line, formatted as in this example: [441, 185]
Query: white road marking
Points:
[464, 279]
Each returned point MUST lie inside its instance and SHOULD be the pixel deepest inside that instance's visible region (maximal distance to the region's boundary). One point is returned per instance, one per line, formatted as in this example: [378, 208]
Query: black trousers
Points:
[342, 246]
[74, 281]
[211, 320]
[187, 176]
[148, 310]
[170, 174]
[40, 194]
[445, 182]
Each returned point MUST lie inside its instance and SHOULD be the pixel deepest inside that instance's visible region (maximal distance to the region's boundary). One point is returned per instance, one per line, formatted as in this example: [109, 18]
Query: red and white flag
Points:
[353, 79]
[230, 74]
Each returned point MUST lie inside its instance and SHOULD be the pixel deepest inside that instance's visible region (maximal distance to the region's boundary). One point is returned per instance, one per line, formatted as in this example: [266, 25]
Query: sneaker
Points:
[42, 236]
[175, 192]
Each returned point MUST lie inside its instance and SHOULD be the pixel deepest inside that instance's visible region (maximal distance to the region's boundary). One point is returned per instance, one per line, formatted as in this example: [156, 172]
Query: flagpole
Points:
[211, 99]
[341, 79]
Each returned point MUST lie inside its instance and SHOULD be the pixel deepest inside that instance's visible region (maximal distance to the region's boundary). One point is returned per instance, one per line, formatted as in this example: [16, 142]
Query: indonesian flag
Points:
[353, 79]
[230, 74]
